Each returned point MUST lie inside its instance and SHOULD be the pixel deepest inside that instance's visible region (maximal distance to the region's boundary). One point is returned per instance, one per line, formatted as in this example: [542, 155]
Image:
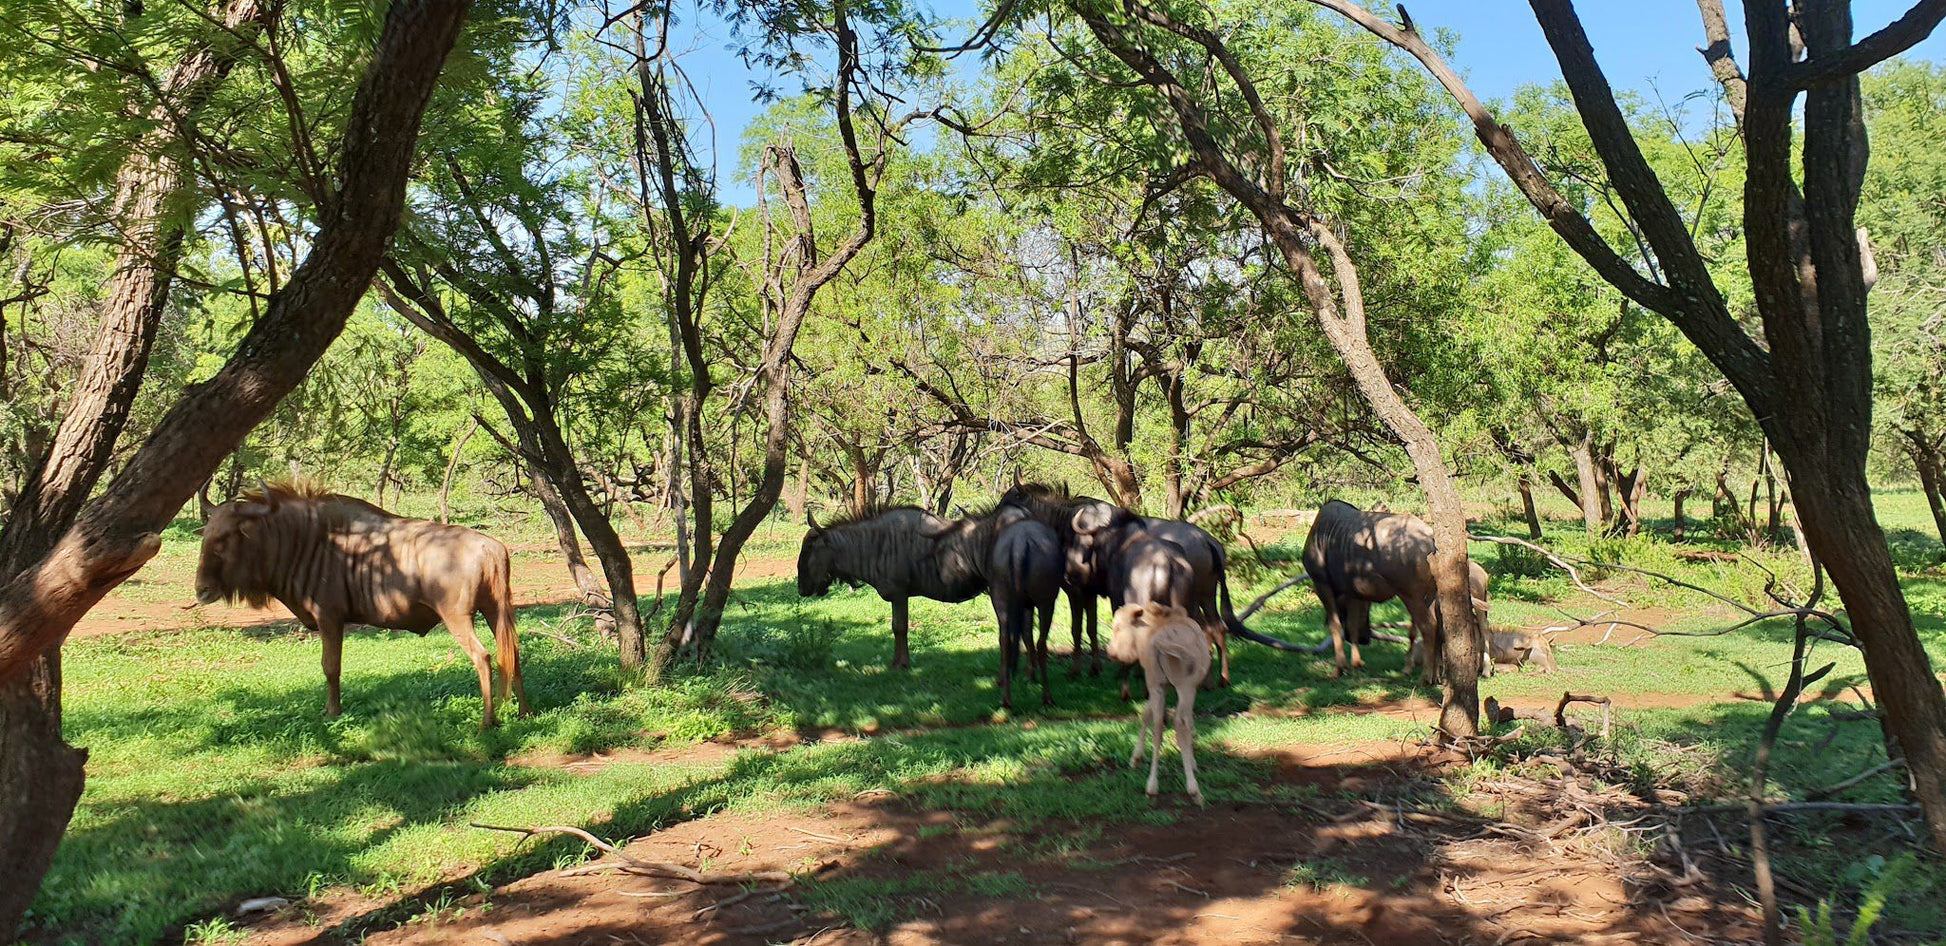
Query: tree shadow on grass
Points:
[1009, 834]
[825, 659]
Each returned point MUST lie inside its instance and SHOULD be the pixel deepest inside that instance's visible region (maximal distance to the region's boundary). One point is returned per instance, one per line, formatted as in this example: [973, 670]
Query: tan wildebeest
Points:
[334, 560]
[1173, 652]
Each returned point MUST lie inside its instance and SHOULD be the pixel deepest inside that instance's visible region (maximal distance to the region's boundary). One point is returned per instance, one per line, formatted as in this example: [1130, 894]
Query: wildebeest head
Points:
[231, 566]
[814, 561]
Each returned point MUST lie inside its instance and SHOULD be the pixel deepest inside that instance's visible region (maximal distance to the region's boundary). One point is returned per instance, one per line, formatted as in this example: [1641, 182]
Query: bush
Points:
[1514, 561]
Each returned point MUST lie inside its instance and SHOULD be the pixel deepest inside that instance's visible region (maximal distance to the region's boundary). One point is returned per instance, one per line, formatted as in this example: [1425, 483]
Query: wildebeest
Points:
[1023, 578]
[335, 560]
[1357, 559]
[901, 553]
[1083, 584]
[1098, 534]
[1173, 652]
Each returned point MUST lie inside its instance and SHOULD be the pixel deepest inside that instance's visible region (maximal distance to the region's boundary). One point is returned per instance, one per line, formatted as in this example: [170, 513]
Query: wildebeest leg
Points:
[460, 624]
[901, 659]
[333, 635]
[1094, 636]
[1040, 655]
[1002, 610]
[1074, 625]
[1425, 624]
[1334, 624]
[1186, 738]
[1152, 715]
[1358, 627]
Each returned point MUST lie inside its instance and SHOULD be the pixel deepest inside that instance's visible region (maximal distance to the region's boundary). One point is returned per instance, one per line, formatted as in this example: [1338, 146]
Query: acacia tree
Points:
[1807, 376]
[1248, 157]
[48, 584]
[509, 265]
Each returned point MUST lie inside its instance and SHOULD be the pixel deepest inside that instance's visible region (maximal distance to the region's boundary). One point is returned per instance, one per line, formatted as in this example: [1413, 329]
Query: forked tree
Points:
[80, 549]
[795, 265]
[1807, 372]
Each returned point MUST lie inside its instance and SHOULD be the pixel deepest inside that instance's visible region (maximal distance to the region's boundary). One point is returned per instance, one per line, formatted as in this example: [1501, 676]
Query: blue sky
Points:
[1644, 45]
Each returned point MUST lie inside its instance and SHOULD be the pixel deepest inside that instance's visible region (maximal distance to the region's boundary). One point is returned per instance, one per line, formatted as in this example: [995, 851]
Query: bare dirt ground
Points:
[1221, 875]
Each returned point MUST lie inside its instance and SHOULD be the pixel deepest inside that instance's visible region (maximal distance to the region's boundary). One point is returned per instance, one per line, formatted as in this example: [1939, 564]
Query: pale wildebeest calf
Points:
[335, 560]
[1173, 652]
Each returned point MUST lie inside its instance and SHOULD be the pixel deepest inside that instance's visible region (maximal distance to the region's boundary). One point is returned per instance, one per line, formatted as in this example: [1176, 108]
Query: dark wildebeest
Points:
[1055, 508]
[899, 553]
[1105, 533]
[1357, 559]
[335, 560]
[906, 551]
[1024, 576]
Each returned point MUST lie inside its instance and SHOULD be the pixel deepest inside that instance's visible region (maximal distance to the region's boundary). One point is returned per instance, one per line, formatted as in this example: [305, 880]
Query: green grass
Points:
[213, 776]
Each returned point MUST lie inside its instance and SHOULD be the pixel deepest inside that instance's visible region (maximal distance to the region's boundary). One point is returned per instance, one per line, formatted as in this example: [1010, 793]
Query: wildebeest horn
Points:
[1479, 605]
[811, 520]
[270, 498]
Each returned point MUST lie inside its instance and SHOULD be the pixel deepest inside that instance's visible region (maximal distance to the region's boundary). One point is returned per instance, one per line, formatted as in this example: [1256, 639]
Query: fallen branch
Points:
[1830, 790]
[631, 865]
[1559, 562]
[1561, 709]
[1790, 807]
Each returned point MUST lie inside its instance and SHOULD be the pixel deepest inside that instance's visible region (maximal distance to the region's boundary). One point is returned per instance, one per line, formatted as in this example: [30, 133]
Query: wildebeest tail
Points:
[1236, 627]
[500, 614]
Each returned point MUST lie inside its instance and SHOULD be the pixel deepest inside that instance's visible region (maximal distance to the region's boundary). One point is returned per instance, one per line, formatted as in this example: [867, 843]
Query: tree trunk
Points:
[452, 465]
[1842, 529]
[1526, 485]
[115, 534]
[1926, 460]
[1584, 468]
[40, 782]
[1682, 494]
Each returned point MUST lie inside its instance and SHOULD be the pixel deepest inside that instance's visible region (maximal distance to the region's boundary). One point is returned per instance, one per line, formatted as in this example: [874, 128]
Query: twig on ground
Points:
[1561, 709]
[643, 868]
[1187, 889]
[1791, 807]
[1830, 790]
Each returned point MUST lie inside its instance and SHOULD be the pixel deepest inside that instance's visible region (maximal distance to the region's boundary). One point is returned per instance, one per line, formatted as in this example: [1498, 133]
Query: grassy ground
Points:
[213, 776]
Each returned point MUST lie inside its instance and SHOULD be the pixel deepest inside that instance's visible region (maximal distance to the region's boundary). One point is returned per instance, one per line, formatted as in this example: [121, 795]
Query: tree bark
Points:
[1682, 495]
[1583, 452]
[115, 534]
[1526, 486]
[452, 466]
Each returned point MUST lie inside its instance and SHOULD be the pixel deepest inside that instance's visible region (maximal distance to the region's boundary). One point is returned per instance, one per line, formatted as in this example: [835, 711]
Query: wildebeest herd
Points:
[335, 560]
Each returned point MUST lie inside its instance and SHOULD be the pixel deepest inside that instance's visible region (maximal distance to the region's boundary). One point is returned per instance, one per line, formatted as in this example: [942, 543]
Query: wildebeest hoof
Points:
[1197, 797]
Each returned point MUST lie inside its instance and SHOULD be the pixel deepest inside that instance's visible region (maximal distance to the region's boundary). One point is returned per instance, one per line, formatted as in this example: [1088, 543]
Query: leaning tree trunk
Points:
[40, 774]
[1926, 460]
[115, 534]
[1584, 468]
[1295, 232]
[1526, 486]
